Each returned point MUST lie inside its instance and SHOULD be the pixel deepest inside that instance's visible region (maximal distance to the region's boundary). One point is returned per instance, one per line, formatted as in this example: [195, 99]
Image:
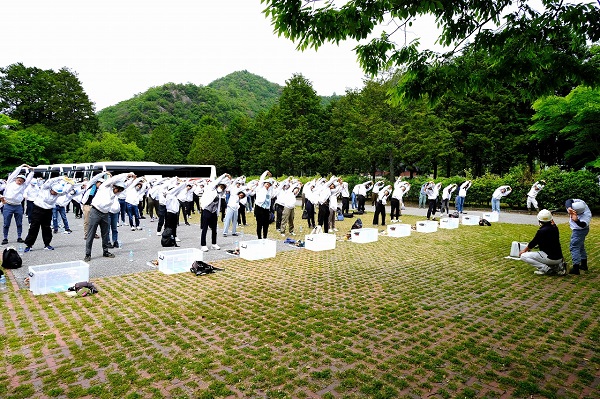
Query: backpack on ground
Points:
[200, 268]
[484, 222]
[454, 214]
[340, 215]
[348, 215]
[357, 224]
[11, 259]
[168, 239]
[84, 288]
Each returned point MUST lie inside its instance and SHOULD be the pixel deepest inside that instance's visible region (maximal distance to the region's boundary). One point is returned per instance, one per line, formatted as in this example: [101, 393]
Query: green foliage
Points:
[210, 147]
[7, 122]
[563, 185]
[538, 50]
[110, 148]
[161, 147]
[29, 145]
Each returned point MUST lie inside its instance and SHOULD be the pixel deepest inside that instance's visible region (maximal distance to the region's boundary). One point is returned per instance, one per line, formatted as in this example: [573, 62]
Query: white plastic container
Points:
[57, 277]
[178, 260]
[364, 235]
[258, 249]
[470, 220]
[516, 247]
[427, 226]
[398, 230]
[319, 242]
[449, 223]
[491, 216]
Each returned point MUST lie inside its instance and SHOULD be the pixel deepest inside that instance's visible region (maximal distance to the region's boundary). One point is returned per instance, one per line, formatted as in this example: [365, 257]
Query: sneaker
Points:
[133, 229]
[55, 231]
[338, 230]
[224, 234]
[27, 249]
[187, 224]
[215, 246]
[158, 233]
[49, 248]
[87, 258]
[109, 245]
[204, 248]
[539, 272]
[20, 239]
[283, 235]
[4, 242]
[177, 239]
[562, 269]
[235, 234]
[142, 217]
[574, 270]
[108, 255]
[140, 228]
[67, 232]
[115, 244]
[96, 236]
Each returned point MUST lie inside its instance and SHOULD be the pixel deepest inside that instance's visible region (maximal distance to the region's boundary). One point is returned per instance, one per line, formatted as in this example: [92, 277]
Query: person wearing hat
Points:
[101, 205]
[41, 216]
[580, 218]
[210, 204]
[30, 195]
[549, 259]
[88, 195]
[535, 189]
[262, 204]
[16, 184]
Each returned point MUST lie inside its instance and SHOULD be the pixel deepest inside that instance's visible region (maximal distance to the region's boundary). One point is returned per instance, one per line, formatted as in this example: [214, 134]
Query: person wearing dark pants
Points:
[210, 203]
[432, 190]
[382, 198]
[345, 194]
[580, 217]
[262, 206]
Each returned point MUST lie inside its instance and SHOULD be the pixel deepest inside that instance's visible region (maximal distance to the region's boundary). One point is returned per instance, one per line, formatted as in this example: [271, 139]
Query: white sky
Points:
[119, 48]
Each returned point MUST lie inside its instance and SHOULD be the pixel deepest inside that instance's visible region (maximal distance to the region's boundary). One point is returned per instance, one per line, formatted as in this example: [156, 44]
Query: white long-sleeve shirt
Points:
[105, 196]
[499, 194]
[45, 198]
[447, 192]
[13, 192]
[535, 189]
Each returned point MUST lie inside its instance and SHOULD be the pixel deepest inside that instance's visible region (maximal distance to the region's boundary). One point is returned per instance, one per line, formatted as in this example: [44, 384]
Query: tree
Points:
[132, 134]
[544, 48]
[110, 148]
[161, 147]
[210, 147]
[574, 122]
[54, 99]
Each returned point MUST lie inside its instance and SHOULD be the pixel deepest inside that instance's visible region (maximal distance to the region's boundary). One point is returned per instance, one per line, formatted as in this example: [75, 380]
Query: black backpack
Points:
[11, 259]
[357, 224]
[168, 239]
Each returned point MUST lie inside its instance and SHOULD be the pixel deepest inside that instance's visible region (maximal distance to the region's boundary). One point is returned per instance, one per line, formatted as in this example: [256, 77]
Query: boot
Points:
[574, 269]
[584, 265]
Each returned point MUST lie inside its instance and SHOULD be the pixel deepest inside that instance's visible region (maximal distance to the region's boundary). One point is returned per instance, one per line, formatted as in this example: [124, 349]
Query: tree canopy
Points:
[538, 48]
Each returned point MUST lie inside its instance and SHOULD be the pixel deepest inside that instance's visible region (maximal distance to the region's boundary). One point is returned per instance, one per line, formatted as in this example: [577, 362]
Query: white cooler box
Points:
[178, 260]
[364, 235]
[319, 242]
[398, 230]
[491, 216]
[57, 277]
[258, 249]
[470, 220]
[449, 223]
[427, 226]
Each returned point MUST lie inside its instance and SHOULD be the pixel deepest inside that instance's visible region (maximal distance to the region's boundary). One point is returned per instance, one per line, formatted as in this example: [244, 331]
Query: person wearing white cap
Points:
[41, 216]
[580, 218]
[101, 205]
[549, 259]
[16, 184]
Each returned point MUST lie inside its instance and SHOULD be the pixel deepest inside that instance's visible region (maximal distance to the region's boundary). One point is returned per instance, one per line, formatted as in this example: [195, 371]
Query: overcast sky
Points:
[119, 48]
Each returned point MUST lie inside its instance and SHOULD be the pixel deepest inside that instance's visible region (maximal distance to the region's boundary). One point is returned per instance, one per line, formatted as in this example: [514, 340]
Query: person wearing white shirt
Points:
[462, 193]
[396, 203]
[324, 193]
[236, 193]
[60, 209]
[101, 205]
[446, 195]
[288, 200]
[13, 196]
[345, 195]
[172, 205]
[262, 204]
[362, 194]
[500, 192]
[375, 193]
[382, 197]
[580, 217]
[210, 203]
[185, 198]
[30, 195]
[133, 196]
[41, 216]
[433, 191]
[532, 194]
[333, 204]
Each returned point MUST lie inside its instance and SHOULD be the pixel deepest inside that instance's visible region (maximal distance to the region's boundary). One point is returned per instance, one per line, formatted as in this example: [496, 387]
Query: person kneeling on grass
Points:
[549, 259]
[41, 216]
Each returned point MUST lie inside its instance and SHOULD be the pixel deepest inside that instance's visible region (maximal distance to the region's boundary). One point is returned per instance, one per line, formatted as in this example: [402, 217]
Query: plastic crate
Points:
[319, 242]
[364, 235]
[178, 260]
[427, 226]
[516, 247]
[57, 277]
[398, 230]
[470, 220]
[449, 223]
[491, 216]
[258, 249]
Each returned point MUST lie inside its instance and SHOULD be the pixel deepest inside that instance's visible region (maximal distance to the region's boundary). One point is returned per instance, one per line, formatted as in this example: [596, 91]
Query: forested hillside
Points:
[236, 95]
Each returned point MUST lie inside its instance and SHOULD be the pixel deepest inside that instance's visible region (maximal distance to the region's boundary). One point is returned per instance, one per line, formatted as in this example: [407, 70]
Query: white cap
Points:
[579, 207]
[544, 215]
[58, 187]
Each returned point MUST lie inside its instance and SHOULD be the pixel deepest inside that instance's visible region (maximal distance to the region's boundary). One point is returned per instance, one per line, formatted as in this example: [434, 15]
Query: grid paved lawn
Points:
[440, 315]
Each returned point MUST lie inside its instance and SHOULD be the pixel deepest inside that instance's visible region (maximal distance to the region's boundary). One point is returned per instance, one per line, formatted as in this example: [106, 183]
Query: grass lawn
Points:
[440, 315]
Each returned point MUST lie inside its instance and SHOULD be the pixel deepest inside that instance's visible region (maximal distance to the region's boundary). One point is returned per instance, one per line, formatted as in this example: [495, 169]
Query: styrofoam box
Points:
[491, 216]
[319, 242]
[470, 220]
[178, 260]
[427, 226]
[57, 277]
[398, 230]
[449, 223]
[258, 249]
[364, 235]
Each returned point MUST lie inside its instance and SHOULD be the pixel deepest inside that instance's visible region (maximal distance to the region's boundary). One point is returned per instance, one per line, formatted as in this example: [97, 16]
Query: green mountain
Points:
[237, 94]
